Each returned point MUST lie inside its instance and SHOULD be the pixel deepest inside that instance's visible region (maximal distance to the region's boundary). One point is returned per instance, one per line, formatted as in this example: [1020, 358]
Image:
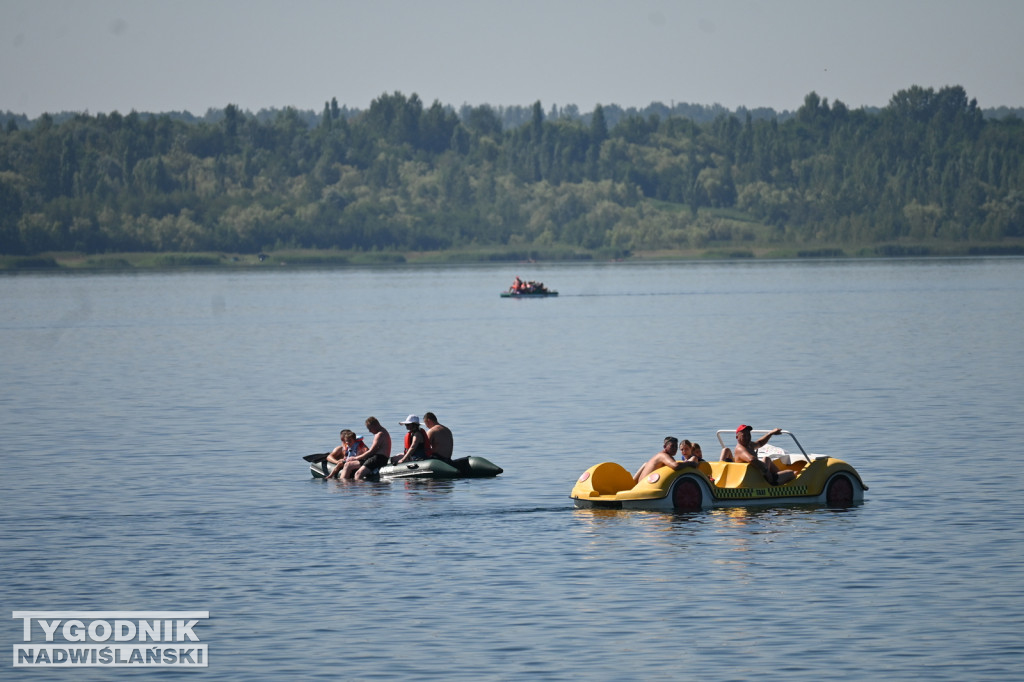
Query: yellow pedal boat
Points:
[820, 479]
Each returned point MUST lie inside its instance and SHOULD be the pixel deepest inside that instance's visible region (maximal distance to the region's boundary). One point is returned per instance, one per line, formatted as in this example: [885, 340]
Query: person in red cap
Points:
[746, 451]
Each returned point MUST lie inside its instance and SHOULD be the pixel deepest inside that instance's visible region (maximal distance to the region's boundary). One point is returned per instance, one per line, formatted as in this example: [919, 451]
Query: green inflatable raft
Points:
[463, 467]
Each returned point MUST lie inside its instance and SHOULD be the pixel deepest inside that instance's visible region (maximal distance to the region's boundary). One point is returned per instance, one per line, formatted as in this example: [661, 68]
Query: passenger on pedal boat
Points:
[665, 458]
[746, 451]
[696, 453]
[686, 452]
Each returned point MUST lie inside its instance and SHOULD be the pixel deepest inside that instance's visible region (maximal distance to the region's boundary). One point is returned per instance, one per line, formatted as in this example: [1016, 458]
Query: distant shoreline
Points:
[302, 258]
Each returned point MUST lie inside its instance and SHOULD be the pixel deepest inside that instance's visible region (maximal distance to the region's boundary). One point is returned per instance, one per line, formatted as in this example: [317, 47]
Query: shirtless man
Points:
[374, 458]
[439, 437]
[746, 451]
[665, 458]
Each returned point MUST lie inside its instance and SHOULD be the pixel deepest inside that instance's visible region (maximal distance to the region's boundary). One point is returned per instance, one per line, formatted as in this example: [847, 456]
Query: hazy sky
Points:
[164, 55]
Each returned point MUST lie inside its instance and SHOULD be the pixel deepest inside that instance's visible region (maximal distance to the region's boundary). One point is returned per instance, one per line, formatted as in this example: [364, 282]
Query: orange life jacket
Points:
[424, 449]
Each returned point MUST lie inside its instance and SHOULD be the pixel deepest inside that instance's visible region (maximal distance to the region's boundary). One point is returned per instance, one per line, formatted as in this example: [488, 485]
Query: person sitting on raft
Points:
[530, 287]
[439, 438]
[417, 447]
[373, 458]
[350, 448]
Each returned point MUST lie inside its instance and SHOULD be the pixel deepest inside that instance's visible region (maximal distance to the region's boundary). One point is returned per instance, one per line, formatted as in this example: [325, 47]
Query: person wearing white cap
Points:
[417, 447]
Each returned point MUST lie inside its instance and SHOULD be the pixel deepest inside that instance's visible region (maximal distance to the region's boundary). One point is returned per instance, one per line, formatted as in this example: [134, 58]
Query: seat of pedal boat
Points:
[609, 478]
[738, 475]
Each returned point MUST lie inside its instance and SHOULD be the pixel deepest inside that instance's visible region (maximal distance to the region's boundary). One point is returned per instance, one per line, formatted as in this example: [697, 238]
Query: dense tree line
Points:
[405, 176]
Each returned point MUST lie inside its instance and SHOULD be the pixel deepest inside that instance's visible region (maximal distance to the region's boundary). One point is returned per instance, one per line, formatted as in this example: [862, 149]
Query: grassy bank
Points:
[297, 258]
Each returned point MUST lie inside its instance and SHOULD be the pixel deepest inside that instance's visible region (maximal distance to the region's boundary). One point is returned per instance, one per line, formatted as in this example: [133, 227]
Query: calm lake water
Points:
[153, 426]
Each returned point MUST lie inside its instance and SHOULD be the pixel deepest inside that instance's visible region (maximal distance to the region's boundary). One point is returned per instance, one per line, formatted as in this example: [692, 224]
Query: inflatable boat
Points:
[528, 294]
[521, 289]
[463, 467]
[819, 479]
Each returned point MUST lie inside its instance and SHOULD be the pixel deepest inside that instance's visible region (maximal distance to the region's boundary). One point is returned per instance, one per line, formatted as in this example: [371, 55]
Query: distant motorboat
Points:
[521, 289]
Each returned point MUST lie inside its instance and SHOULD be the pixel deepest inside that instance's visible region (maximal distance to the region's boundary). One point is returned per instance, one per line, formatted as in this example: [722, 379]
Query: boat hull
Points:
[542, 294]
[463, 467]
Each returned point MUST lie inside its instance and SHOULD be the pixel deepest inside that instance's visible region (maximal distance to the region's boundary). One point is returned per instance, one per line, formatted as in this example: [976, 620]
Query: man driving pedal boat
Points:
[746, 452]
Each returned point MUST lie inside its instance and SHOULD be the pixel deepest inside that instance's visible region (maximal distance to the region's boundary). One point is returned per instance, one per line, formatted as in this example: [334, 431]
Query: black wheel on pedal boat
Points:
[839, 491]
[687, 495]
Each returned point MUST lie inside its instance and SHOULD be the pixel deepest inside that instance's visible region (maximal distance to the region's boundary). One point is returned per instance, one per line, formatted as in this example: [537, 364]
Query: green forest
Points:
[928, 173]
